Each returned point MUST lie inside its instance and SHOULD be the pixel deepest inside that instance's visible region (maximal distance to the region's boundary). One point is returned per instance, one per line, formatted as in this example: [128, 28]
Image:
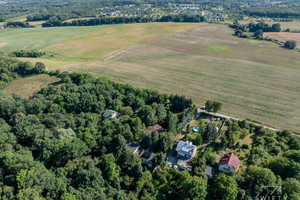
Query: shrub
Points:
[291, 44]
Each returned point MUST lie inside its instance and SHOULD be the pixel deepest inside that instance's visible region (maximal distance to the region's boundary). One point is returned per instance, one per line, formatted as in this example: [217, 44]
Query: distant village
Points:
[156, 13]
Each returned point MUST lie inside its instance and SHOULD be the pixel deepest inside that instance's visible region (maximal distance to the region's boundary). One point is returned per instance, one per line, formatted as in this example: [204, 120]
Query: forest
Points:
[57, 145]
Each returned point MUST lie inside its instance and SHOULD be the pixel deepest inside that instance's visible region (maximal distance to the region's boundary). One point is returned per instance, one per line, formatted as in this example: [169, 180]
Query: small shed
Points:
[209, 171]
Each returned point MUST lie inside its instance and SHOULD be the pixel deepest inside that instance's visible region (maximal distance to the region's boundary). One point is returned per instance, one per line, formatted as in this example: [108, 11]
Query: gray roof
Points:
[183, 163]
[133, 147]
[187, 147]
[108, 113]
[210, 171]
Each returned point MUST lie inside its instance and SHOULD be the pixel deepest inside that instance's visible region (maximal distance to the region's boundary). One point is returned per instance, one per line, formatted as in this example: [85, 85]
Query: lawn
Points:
[253, 80]
[241, 153]
[26, 87]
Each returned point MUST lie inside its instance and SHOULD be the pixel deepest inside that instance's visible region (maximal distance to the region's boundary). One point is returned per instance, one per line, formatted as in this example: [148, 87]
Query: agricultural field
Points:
[254, 80]
[283, 36]
[26, 87]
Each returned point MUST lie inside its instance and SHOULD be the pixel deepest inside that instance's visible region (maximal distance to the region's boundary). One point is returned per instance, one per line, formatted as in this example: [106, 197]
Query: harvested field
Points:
[284, 36]
[33, 23]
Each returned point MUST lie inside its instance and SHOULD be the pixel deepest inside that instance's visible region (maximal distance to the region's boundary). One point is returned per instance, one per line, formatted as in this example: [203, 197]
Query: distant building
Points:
[229, 162]
[186, 149]
[1, 27]
[158, 128]
[110, 114]
[133, 147]
[209, 171]
[146, 156]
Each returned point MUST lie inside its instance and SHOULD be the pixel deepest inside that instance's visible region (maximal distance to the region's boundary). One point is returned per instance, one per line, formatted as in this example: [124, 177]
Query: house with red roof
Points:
[229, 162]
[157, 128]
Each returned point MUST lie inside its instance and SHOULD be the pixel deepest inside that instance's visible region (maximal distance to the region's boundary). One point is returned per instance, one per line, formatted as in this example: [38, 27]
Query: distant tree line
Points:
[257, 29]
[59, 16]
[23, 53]
[17, 24]
[278, 12]
[125, 20]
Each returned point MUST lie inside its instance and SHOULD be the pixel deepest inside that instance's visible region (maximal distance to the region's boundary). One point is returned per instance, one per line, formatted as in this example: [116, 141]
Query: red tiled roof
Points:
[156, 127]
[231, 160]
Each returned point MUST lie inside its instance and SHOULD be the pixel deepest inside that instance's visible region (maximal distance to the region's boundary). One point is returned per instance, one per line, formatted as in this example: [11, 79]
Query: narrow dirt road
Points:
[229, 117]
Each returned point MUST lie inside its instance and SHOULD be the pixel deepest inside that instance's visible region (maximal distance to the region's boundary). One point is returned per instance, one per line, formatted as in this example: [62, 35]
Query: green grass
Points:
[26, 87]
[254, 80]
[218, 48]
[37, 38]
[252, 41]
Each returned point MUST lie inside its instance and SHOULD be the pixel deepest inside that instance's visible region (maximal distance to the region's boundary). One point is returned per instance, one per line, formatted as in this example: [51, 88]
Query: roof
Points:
[158, 128]
[133, 147]
[108, 113]
[187, 147]
[210, 171]
[182, 163]
[231, 160]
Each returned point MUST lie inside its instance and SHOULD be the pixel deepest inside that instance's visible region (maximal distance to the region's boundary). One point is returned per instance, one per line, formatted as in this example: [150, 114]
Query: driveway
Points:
[170, 158]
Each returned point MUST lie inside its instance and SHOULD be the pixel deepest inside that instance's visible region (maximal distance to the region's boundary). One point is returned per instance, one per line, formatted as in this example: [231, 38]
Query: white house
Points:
[186, 149]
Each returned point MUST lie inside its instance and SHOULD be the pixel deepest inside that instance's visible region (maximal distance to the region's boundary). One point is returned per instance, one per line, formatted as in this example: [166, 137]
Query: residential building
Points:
[209, 171]
[158, 128]
[186, 149]
[146, 156]
[133, 147]
[229, 162]
[110, 114]
[184, 164]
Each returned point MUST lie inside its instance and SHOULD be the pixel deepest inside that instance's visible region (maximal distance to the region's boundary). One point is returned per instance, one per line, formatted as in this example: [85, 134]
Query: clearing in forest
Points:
[26, 87]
